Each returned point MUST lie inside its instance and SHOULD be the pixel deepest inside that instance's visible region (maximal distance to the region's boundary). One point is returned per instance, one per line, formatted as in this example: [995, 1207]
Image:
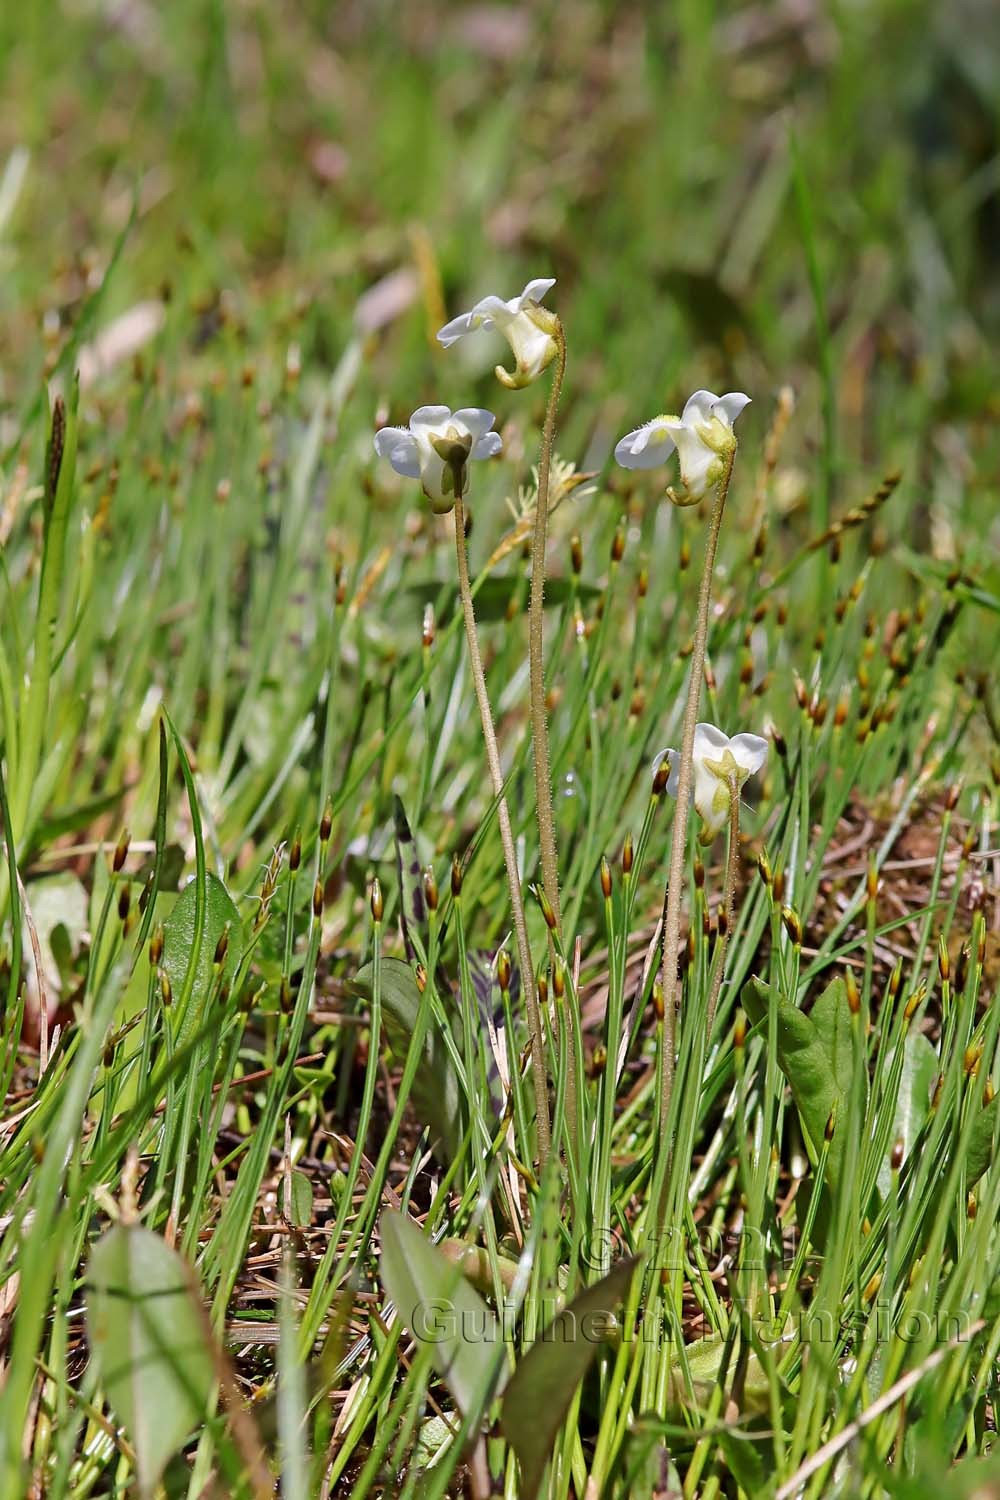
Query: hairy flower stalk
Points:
[536, 338]
[506, 836]
[536, 640]
[678, 842]
[728, 908]
[437, 447]
[705, 443]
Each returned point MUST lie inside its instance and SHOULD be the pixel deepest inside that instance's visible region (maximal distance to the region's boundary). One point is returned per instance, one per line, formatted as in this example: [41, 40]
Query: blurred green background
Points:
[293, 155]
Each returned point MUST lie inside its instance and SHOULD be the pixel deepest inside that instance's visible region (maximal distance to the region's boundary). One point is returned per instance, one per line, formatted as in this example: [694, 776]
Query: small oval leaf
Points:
[178, 943]
[148, 1339]
[542, 1386]
[299, 1211]
[440, 1309]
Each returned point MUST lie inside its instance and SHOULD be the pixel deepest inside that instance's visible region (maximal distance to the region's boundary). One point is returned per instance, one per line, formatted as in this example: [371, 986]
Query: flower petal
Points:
[536, 290]
[698, 407]
[475, 419]
[728, 407]
[400, 447]
[675, 769]
[645, 448]
[750, 751]
[455, 330]
[428, 418]
[709, 741]
[488, 445]
[489, 310]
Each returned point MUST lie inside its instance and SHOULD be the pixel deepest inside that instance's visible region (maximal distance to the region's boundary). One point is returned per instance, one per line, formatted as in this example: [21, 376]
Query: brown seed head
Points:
[121, 850]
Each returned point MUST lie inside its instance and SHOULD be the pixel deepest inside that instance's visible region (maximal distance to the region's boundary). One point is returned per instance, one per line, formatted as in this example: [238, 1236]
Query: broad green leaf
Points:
[913, 1101]
[704, 1361]
[981, 1144]
[815, 1055]
[440, 1309]
[433, 1441]
[541, 1388]
[831, 1016]
[300, 1210]
[59, 912]
[436, 1092]
[178, 942]
[148, 1339]
[804, 1061]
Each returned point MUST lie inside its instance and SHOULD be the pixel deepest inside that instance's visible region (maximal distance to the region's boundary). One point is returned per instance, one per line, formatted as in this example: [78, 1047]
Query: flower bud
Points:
[661, 776]
[546, 905]
[221, 948]
[915, 1000]
[764, 868]
[896, 1155]
[456, 877]
[658, 1002]
[124, 902]
[558, 981]
[576, 554]
[598, 1060]
[503, 970]
[326, 824]
[962, 969]
[166, 990]
[156, 946]
[317, 901]
[121, 851]
[295, 854]
[872, 881]
[853, 996]
[628, 855]
[740, 1031]
[618, 546]
[377, 904]
[792, 924]
[605, 879]
[427, 628]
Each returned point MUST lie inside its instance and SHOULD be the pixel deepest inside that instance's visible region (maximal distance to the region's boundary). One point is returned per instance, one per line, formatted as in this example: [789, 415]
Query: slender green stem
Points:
[728, 904]
[678, 843]
[506, 835]
[536, 643]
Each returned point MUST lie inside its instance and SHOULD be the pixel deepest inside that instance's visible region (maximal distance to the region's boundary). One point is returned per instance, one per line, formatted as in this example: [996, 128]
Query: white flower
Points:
[437, 446]
[720, 764]
[703, 437]
[528, 329]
